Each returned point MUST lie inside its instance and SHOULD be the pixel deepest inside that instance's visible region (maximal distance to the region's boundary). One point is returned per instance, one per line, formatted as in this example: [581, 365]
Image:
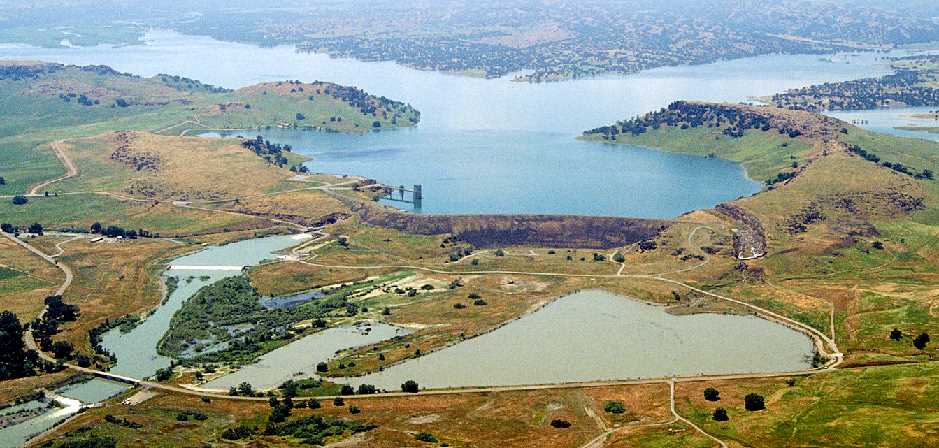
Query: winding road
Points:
[70, 169]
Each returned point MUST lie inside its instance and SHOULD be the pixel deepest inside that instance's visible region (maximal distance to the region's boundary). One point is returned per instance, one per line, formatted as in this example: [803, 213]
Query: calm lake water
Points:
[887, 121]
[596, 335]
[496, 146]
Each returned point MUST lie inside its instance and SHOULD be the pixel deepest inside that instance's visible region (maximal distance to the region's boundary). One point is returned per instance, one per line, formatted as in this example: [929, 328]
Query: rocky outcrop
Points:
[749, 236]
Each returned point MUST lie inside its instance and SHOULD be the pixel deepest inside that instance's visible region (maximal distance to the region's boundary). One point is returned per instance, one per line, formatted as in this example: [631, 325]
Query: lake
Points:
[493, 145]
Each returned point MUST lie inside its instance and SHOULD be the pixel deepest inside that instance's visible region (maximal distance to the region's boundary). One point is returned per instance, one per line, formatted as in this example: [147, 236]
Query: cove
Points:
[594, 336]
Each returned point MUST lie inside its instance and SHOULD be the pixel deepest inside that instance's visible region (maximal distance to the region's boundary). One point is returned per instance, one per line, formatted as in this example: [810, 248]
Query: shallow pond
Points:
[299, 358]
[595, 335]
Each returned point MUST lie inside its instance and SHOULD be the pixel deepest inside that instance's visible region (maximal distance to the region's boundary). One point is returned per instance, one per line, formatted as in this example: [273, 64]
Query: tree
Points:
[321, 367]
[711, 394]
[3, 181]
[921, 341]
[8, 228]
[560, 424]
[720, 415]
[410, 386]
[19, 200]
[62, 349]
[245, 389]
[289, 388]
[233, 391]
[896, 334]
[96, 227]
[754, 402]
[614, 407]
[619, 258]
[35, 228]
[12, 348]
[346, 390]
[338, 401]
[366, 389]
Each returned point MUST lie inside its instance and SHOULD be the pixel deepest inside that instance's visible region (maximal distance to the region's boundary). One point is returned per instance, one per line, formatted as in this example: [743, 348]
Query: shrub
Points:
[346, 390]
[896, 334]
[19, 200]
[560, 424]
[720, 415]
[425, 437]
[238, 433]
[321, 367]
[711, 394]
[921, 341]
[366, 389]
[619, 258]
[354, 410]
[754, 402]
[479, 302]
[338, 401]
[410, 386]
[614, 407]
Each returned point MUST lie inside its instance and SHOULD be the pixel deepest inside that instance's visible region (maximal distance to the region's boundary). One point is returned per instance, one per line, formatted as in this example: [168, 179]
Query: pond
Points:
[298, 359]
[595, 335]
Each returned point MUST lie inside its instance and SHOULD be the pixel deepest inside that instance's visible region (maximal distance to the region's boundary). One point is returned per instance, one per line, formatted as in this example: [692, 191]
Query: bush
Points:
[410, 386]
[241, 432]
[346, 390]
[19, 200]
[354, 410]
[614, 407]
[754, 402]
[720, 415]
[338, 401]
[425, 437]
[619, 258]
[560, 424]
[896, 334]
[921, 341]
[321, 367]
[479, 302]
[366, 389]
[711, 394]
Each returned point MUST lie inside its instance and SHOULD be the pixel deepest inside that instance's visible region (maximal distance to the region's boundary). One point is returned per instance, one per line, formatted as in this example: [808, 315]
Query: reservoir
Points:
[493, 145]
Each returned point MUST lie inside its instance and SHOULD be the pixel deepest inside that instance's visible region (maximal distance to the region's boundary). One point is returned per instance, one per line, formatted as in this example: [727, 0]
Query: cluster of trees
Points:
[925, 174]
[15, 360]
[112, 231]
[35, 228]
[43, 328]
[272, 152]
[920, 341]
[734, 121]
[905, 87]
[751, 402]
